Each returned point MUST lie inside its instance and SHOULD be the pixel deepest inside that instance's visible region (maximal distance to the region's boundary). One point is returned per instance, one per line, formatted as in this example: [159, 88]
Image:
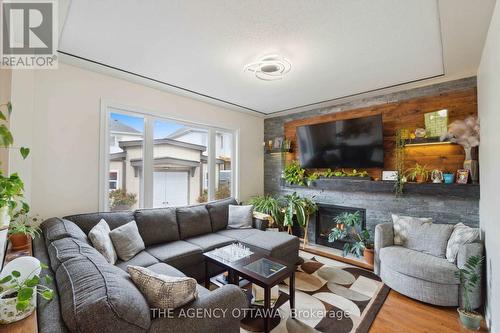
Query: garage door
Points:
[171, 188]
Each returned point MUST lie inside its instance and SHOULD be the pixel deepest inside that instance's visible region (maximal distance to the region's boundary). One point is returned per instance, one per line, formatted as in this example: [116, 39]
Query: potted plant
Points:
[297, 209]
[469, 278]
[22, 229]
[121, 200]
[18, 289]
[310, 207]
[268, 205]
[418, 173]
[347, 229]
[294, 174]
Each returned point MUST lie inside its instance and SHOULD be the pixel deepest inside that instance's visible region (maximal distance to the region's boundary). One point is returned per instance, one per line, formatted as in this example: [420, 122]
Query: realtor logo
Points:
[29, 34]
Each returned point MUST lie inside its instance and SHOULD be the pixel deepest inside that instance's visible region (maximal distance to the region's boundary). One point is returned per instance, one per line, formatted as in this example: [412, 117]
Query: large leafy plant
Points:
[25, 289]
[347, 229]
[469, 278]
[294, 174]
[268, 205]
[298, 207]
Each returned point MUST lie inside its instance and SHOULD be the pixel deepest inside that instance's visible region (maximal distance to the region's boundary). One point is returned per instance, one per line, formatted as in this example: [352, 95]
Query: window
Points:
[155, 162]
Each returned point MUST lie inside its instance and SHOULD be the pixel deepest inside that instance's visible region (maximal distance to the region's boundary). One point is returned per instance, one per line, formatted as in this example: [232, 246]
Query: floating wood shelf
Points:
[346, 184]
[426, 141]
[277, 151]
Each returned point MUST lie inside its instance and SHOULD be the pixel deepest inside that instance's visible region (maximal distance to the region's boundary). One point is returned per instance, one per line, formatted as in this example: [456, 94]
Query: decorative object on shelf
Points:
[449, 178]
[399, 155]
[418, 173]
[20, 283]
[342, 173]
[278, 143]
[469, 278]
[389, 175]
[463, 176]
[294, 174]
[22, 230]
[420, 133]
[268, 205]
[287, 145]
[466, 133]
[347, 229]
[437, 176]
[436, 123]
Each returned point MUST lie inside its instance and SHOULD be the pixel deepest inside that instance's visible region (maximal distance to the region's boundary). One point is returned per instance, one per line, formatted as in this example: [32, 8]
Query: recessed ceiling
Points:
[338, 48]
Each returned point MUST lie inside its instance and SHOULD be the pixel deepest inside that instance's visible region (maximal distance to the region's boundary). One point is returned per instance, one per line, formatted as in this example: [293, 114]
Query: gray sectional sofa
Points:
[95, 296]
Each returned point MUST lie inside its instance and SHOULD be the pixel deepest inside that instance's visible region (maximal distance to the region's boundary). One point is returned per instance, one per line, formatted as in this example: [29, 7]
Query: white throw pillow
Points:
[127, 241]
[461, 235]
[402, 226]
[99, 236]
[240, 217]
[162, 291]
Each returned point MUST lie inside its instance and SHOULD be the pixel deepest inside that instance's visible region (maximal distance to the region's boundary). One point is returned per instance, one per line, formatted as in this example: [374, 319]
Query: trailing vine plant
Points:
[399, 153]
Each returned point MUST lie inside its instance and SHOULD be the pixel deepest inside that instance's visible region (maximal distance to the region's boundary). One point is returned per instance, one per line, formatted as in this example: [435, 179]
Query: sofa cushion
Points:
[157, 225]
[179, 254]
[240, 217]
[99, 297]
[142, 258]
[56, 228]
[430, 238]
[99, 237]
[210, 241]
[193, 221]
[279, 245]
[162, 268]
[418, 264]
[114, 219]
[219, 212]
[402, 226]
[238, 234]
[67, 248]
[461, 235]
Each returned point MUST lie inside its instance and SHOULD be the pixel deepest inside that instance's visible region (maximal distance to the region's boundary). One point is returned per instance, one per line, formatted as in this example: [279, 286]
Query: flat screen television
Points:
[351, 143]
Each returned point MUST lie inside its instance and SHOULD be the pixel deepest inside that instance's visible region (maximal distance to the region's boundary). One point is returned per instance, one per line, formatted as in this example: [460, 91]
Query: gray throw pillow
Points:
[461, 235]
[240, 217]
[99, 236]
[402, 226]
[127, 241]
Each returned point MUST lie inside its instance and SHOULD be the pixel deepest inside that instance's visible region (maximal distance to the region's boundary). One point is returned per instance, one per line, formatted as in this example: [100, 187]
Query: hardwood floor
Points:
[402, 314]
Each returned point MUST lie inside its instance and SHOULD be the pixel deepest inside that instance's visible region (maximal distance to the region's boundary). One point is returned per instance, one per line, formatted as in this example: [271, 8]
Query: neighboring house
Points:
[179, 167]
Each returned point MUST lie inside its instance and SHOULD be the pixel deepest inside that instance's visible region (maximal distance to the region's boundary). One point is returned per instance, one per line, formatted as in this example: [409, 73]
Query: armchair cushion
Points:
[461, 235]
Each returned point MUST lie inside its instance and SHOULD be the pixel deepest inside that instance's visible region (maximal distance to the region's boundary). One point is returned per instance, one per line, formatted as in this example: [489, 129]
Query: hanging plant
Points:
[294, 174]
[399, 153]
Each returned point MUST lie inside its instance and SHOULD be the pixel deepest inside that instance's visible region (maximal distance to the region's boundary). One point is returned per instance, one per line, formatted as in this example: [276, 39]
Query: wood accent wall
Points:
[406, 114]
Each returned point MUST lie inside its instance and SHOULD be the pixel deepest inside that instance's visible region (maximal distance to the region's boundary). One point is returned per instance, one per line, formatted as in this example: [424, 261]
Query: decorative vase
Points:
[471, 163]
[469, 320]
[8, 311]
[368, 254]
[4, 217]
[449, 178]
[19, 241]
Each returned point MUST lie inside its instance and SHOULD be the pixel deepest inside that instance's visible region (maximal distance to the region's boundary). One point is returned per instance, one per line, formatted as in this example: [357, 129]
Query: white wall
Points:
[65, 133]
[489, 113]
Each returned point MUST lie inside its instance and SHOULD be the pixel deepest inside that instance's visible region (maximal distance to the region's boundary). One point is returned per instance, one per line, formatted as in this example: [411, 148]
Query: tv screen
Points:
[352, 143]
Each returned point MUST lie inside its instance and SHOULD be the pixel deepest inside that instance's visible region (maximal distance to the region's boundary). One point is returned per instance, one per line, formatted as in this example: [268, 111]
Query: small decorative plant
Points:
[121, 200]
[347, 225]
[342, 173]
[21, 229]
[469, 278]
[268, 205]
[18, 295]
[294, 174]
[418, 173]
[312, 177]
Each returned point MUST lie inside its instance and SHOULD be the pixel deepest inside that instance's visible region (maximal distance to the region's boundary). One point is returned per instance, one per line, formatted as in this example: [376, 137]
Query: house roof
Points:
[117, 126]
[183, 130]
[135, 143]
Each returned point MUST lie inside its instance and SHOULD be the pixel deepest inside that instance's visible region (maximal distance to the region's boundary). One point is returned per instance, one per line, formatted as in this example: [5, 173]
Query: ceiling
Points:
[337, 48]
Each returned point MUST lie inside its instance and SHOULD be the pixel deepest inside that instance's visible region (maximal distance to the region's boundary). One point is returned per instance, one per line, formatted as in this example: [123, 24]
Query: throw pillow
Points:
[99, 237]
[461, 235]
[402, 226]
[162, 291]
[240, 217]
[127, 241]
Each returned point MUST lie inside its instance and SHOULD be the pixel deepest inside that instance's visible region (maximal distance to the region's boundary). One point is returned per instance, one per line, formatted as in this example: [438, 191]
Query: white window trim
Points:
[118, 180]
[108, 107]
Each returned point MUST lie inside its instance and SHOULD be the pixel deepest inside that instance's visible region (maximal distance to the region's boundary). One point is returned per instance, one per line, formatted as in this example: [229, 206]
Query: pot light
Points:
[269, 68]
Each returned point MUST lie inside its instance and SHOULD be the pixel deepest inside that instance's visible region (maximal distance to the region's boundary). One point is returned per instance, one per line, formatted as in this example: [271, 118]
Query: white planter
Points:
[8, 311]
[4, 217]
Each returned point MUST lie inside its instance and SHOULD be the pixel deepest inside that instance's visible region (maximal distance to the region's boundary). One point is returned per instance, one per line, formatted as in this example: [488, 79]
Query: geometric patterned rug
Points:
[331, 296]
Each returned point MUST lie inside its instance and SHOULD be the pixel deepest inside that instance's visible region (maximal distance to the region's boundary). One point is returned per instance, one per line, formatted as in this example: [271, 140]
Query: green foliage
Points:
[224, 191]
[24, 290]
[469, 278]
[399, 153]
[268, 205]
[418, 171]
[120, 197]
[346, 230]
[299, 207]
[342, 173]
[312, 177]
[23, 224]
[294, 174]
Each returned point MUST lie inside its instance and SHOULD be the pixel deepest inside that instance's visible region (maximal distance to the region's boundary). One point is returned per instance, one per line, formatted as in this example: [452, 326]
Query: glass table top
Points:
[265, 267]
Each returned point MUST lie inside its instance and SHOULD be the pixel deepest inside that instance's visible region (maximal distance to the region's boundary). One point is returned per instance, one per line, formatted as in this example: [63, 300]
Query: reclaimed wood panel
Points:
[406, 114]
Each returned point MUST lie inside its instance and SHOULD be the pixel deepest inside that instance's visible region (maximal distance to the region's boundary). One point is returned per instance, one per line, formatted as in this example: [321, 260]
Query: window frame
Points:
[108, 107]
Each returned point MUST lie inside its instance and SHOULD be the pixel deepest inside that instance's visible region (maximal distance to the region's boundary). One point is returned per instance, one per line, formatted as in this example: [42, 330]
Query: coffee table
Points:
[265, 271]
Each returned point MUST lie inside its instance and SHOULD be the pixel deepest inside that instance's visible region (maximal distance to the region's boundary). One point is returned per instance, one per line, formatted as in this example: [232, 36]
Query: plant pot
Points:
[8, 311]
[4, 217]
[449, 178]
[470, 320]
[420, 179]
[19, 241]
[368, 254]
[297, 231]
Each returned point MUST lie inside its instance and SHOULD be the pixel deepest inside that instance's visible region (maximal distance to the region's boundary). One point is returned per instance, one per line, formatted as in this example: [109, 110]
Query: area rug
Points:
[331, 296]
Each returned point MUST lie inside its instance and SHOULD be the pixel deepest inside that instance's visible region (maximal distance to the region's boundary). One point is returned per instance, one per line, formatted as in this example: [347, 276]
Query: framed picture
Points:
[389, 175]
[462, 176]
[278, 142]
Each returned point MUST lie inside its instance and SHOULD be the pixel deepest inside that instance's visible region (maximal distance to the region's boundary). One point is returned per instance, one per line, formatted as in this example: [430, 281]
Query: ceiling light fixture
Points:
[269, 68]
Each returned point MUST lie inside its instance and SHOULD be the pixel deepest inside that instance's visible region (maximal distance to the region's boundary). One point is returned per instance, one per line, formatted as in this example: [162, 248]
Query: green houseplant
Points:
[297, 209]
[399, 155]
[469, 278]
[347, 225]
[294, 174]
[268, 205]
[22, 229]
[418, 173]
